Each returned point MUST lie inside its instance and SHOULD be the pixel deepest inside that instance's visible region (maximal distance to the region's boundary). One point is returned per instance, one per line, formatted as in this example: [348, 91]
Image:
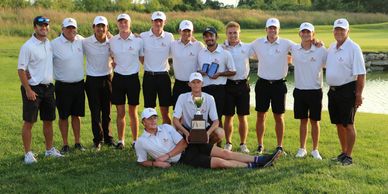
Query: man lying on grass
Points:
[165, 145]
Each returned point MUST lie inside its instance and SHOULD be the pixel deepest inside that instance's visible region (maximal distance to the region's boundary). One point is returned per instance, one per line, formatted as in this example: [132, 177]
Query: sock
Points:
[251, 165]
[120, 141]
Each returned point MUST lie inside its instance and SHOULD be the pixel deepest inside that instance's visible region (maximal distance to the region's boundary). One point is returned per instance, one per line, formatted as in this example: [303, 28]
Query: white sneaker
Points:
[316, 154]
[301, 153]
[228, 146]
[29, 158]
[244, 148]
[53, 153]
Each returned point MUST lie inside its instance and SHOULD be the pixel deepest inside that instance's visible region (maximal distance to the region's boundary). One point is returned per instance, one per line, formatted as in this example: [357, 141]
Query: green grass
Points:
[112, 171]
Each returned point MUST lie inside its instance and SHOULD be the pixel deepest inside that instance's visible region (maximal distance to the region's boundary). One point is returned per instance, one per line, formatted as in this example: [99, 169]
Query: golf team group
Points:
[215, 73]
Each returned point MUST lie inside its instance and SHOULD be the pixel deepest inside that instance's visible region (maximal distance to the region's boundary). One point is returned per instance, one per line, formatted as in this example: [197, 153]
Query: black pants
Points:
[98, 90]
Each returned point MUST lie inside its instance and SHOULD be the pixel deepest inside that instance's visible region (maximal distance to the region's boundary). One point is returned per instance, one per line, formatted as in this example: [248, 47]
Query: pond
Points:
[375, 92]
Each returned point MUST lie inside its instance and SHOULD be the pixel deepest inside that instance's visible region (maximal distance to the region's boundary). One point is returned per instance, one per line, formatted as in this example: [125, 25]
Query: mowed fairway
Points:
[113, 171]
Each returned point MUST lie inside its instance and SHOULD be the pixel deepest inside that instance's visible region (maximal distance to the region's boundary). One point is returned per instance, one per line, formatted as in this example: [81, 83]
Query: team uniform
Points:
[237, 86]
[126, 83]
[308, 65]
[216, 87]
[36, 57]
[185, 62]
[272, 69]
[68, 62]
[342, 67]
[98, 87]
[156, 80]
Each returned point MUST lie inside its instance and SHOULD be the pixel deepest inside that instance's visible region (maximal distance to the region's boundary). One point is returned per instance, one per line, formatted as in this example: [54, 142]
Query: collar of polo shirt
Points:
[218, 49]
[37, 41]
[95, 40]
[277, 41]
[312, 48]
[161, 36]
[147, 134]
[190, 42]
[130, 37]
[226, 43]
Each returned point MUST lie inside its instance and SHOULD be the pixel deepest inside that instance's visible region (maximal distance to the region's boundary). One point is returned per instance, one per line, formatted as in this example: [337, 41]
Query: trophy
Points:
[198, 134]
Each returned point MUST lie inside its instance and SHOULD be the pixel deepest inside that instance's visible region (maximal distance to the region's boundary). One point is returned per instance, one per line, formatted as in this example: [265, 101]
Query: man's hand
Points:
[187, 138]
[208, 136]
[163, 158]
[358, 101]
[192, 39]
[216, 75]
[113, 64]
[162, 164]
[31, 95]
[317, 43]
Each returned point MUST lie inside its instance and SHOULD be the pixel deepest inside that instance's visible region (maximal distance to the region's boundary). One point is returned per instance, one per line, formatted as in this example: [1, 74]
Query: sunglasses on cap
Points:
[43, 20]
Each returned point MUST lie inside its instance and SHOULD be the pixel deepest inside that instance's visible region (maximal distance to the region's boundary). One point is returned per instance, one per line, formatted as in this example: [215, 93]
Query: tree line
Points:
[371, 6]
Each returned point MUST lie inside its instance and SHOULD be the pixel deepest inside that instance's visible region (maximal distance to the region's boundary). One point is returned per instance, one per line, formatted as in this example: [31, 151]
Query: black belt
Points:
[70, 83]
[155, 73]
[179, 81]
[45, 85]
[104, 76]
[336, 88]
[236, 82]
[121, 75]
[272, 81]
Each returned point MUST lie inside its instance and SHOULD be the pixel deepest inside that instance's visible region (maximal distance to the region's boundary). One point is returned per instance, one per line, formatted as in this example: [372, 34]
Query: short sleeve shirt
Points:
[241, 54]
[184, 58]
[98, 62]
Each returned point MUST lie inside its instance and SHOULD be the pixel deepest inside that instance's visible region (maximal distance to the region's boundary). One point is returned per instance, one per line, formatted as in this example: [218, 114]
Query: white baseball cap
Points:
[100, 20]
[272, 22]
[306, 26]
[69, 22]
[158, 15]
[186, 25]
[342, 23]
[148, 112]
[194, 76]
[123, 16]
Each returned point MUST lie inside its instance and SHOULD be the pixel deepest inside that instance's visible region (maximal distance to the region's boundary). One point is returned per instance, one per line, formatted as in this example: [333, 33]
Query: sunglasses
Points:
[43, 20]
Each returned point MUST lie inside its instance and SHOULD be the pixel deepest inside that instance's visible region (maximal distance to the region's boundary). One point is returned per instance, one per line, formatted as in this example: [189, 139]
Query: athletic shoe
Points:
[29, 158]
[301, 153]
[97, 146]
[79, 147]
[281, 149]
[273, 158]
[54, 153]
[110, 144]
[228, 146]
[119, 146]
[339, 158]
[133, 145]
[316, 155]
[244, 148]
[65, 149]
[347, 161]
[260, 149]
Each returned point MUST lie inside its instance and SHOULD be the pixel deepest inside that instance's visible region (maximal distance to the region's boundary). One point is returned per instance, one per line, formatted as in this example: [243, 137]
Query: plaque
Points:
[198, 134]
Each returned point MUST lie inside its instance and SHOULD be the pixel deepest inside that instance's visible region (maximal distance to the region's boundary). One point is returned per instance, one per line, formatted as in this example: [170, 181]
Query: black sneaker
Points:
[260, 149]
[119, 146]
[133, 145]
[110, 143]
[65, 149]
[79, 147]
[273, 158]
[339, 158]
[281, 149]
[347, 160]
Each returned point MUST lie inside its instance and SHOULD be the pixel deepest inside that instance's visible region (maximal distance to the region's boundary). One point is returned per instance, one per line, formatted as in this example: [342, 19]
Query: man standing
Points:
[308, 61]
[156, 80]
[36, 57]
[98, 81]
[345, 74]
[215, 55]
[185, 110]
[237, 87]
[184, 59]
[69, 85]
[126, 50]
[272, 52]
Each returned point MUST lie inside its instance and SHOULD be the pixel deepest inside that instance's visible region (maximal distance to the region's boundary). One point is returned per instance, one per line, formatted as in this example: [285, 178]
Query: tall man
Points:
[214, 53]
[237, 87]
[308, 61]
[126, 50]
[272, 52]
[98, 81]
[36, 57]
[345, 74]
[156, 80]
[184, 59]
[69, 85]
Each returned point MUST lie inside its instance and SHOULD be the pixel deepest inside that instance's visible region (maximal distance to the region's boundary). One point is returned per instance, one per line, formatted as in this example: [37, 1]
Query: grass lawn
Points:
[112, 171]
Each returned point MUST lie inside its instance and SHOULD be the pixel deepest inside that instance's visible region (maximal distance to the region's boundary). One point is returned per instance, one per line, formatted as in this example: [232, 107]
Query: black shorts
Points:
[125, 86]
[197, 155]
[156, 84]
[237, 97]
[70, 99]
[218, 92]
[271, 92]
[307, 104]
[44, 103]
[180, 87]
[341, 103]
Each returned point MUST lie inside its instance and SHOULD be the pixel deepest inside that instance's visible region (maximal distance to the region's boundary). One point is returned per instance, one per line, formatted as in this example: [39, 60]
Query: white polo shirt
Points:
[184, 58]
[156, 51]
[273, 57]
[308, 65]
[186, 109]
[344, 64]
[98, 61]
[126, 53]
[241, 54]
[164, 141]
[37, 57]
[220, 56]
[68, 59]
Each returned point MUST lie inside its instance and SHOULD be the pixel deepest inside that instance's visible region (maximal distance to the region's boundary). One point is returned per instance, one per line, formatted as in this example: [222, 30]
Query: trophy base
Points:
[198, 136]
